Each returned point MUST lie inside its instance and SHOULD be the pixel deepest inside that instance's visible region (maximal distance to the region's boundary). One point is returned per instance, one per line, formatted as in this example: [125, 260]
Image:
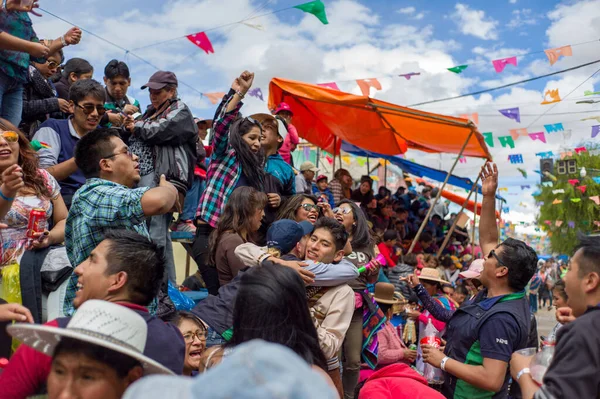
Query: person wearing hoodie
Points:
[75, 69]
[285, 114]
[397, 381]
[397, 274]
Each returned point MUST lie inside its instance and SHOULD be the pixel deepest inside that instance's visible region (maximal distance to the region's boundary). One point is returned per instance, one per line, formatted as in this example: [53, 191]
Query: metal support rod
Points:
[368, 167]
[464, 205]
[318, 156]
[385, 173]
[474, 217]
[435, 201]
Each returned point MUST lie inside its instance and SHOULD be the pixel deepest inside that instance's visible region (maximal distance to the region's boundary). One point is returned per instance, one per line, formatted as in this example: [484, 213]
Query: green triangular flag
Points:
[523, 172]
[458, 69]
[316, 8]
[489, 138]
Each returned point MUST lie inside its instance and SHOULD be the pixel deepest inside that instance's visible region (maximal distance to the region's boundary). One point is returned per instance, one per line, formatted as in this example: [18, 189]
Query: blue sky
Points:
[365, 39]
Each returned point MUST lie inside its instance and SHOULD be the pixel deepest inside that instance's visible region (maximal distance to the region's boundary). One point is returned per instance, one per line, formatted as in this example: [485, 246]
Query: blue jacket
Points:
[327, 192]
[280, 169]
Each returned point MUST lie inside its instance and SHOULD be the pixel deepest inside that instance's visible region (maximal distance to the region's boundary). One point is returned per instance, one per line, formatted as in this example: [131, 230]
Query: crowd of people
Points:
[316, 288]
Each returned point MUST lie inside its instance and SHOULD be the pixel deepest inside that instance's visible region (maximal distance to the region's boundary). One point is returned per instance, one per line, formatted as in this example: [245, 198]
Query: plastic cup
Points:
[527, 351]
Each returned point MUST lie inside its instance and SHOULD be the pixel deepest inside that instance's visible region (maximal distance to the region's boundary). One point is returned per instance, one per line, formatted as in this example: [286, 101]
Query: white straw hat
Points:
[97, 322]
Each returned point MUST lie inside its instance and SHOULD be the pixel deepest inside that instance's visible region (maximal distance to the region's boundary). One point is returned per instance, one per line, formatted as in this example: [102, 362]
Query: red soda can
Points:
[37, 222]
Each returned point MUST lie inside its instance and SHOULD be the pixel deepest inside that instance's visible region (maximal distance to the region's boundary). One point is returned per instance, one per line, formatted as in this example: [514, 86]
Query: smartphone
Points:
[136, 116]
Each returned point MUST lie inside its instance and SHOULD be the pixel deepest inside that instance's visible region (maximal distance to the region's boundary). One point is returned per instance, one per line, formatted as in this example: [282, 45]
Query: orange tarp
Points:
[322, 114]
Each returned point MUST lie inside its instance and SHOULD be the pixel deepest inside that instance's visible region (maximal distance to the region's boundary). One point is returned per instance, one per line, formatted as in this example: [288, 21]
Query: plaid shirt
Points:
[224, 170]
[98, 205]
[336, 189]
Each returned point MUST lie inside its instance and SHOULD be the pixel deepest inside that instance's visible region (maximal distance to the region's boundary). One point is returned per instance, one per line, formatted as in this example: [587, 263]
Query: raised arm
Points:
[488, 230]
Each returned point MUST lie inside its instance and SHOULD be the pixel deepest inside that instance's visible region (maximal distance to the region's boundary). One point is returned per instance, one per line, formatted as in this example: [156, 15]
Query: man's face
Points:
[79, 376]
[93, 280]
[50, 67]
[271, 138]
[321, 247]
[81, 119]
[309, 175]
[117, 86]
[123, 168]
[426, 244]
[491, 268]
[577, 286]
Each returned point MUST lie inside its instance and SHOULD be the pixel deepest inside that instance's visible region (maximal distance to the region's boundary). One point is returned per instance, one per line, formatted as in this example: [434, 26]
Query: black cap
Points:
[160, 79]
[284, 234]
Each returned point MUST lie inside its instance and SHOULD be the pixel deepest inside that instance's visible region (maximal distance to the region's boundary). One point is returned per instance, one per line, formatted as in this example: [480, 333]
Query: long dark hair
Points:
[361, 235]
[236, 216]
[291, 205]
[28, 161]
[271, 305]
[252, 164]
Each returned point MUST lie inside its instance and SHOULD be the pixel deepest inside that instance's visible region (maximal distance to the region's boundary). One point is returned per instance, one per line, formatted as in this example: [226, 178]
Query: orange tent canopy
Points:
[325, 117]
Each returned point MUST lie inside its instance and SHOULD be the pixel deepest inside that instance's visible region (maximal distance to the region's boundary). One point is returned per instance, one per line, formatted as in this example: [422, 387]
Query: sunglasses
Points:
[253, 121]
[10, 136]
[493, 254]
[89, 108]
[309, 207]
[343, 211]
[52, 65]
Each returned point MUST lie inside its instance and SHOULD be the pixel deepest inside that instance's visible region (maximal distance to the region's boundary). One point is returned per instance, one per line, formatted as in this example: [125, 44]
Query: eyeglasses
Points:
[89, 108]
[128, 153]
[189, 337]
[52, 65]
[309, 207]
[493, 254]
[343, 211]
[10, 136]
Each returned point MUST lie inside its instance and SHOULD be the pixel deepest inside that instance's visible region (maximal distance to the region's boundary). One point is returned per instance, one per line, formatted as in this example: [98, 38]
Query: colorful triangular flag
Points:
[515, 133]
[316, 8]
[523, 172]
[558, 223]
[214, 97]
[511, 113]
[500, 64]
[554, 54]
[582, 189]
[489, 138]
[579, 150]
[458, 69]
[506, 140]
[366, 84]
[474, 117]
[409, 75]
[201, 40]
[330, 85]
[595, 131]
[554, 97]
[541, 136]
[596, 199]
[573, 182]
[256, 92]
[556, 202]
[557, 127]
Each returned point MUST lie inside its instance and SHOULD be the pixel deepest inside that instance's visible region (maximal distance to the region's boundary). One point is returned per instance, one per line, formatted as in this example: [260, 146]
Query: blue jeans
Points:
[11, 99]
[533, 303]
[192, 199]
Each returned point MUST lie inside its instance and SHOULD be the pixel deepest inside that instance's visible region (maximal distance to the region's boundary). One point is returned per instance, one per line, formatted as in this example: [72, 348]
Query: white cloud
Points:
[521, 18]
[512, 1]
[419, 16]
[474, 22]
[407, 10]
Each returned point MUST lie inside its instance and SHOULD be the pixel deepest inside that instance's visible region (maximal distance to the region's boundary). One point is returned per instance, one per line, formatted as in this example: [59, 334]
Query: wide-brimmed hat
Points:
[161, 79]
[101, 323]
[384, 293]
[474, 271]
[431, 274]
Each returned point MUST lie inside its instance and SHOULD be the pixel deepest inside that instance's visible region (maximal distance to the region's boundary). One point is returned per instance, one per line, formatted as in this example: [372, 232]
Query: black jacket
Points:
[40, 102]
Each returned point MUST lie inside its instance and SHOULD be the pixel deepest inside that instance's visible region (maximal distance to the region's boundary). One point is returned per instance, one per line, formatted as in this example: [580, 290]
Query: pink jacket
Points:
[289, 143]
[391, 347]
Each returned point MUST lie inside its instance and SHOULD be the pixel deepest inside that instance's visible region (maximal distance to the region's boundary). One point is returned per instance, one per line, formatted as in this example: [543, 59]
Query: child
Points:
[321, 190]
[460, 294]
[388, 248]
[560, 300]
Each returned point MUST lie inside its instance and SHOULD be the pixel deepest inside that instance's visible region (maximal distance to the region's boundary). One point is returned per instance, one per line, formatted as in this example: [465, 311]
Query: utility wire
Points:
[506, 85]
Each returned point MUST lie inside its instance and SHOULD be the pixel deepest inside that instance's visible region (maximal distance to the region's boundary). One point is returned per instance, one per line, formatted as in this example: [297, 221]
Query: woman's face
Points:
[365, 187]
[256, 219]
[559, 301]
[9, 148]
[195, 343]
[50, 67]
[345, 216]
[308, 210]
[252, 138]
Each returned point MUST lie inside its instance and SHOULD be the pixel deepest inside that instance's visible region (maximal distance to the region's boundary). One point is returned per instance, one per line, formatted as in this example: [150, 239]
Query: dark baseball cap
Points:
[284, 234]
[160, 79]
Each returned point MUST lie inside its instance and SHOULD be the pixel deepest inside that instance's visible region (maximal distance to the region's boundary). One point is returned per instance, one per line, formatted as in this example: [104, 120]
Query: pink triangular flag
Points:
[573, 182]
[330, 85]
[500, 64]
[579, 150]
[596, 199]
[541, 136]
[558, 223]
[201, 40]
[366, 84]
[582, 189]
[515, 133]
[554, 54]
[474, 117]
[214, 97]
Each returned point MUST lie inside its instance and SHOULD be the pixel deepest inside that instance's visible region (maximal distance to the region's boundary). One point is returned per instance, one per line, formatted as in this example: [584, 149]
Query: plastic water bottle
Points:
[433, 375]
